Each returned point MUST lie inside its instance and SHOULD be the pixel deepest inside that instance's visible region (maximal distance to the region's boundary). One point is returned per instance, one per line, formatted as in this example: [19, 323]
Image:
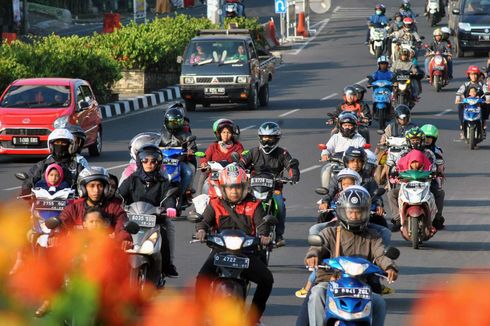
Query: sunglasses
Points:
[146, 161]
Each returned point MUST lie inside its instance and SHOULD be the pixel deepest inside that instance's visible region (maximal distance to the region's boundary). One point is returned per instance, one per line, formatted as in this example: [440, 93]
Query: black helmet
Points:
[361, 90]
[353, 198]
[79, 135]
[347, 117]
[402, 111]
[272, 130]
[174, 119]
[352, 153]
[149, 150]
[350, 90]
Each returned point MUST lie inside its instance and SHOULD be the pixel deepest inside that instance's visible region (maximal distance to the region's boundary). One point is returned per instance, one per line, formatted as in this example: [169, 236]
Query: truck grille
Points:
[8, 144]
[25, 131]
[209, 80]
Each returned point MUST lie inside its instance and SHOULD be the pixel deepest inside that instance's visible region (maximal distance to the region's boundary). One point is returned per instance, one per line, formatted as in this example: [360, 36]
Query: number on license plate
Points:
[25, 140]
[50, 205]
[143, 220]
[362, 293]
[214, 90]
[170, 161]
[261, 182]
[231, 261]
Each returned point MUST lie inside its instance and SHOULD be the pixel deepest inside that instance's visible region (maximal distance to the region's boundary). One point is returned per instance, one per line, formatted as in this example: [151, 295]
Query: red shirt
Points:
[214, 152]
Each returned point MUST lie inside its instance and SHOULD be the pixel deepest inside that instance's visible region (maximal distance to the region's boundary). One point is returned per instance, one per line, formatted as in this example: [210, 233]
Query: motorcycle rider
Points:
[404, 64]
[236, 210]
[399, 125]
[268, 157]
[355, 240]
[431, 134]
[406, 34]
[148, 184]
[383, 73]
[227, 135]
[442, 7]
[174, 135]
[378, 19]
[61, 144]
[439, 45]
[346, 137]
[406, 10]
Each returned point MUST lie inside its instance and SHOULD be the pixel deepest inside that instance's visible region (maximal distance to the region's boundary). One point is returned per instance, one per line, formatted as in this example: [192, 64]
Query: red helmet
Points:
[407, 21]
[233, 176]
[473, 70]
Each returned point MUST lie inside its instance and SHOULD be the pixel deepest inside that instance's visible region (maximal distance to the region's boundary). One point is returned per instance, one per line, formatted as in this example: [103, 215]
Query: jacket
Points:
[249, 210]
[368, 183]
[442, 47]
[404, 66]
[404, 162]
[360, 109]
[131, 168]
[382, 75]
[338, 143]
[366, 244]
[72, 216]
[393, 129]
[378, 20]
[214, 152]
[275, 162]
[463, 89]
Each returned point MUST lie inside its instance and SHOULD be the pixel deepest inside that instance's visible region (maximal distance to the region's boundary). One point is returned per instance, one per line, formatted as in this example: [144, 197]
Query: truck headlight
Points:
[60, 122]
[189, 80]
[242, 80]
[465, 27]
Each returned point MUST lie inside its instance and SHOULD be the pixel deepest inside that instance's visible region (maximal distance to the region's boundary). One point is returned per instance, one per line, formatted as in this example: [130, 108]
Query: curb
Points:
[146, 101]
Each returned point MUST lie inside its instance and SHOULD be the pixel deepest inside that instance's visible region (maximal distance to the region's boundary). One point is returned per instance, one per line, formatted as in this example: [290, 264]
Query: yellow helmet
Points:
[436, 32]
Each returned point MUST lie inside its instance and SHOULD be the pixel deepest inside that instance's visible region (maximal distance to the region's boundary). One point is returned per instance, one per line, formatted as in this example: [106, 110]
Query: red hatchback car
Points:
[31, 108]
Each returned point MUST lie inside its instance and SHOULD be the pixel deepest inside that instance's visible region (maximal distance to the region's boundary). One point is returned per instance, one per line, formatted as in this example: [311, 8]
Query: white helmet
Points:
[141, 139]
[348, 173]
[61, 134]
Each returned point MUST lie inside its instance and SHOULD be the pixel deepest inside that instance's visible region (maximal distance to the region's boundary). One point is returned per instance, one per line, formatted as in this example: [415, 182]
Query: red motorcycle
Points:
[438, 70]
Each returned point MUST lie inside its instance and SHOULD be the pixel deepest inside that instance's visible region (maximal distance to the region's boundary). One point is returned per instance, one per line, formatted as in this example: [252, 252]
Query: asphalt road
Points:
[315, 70]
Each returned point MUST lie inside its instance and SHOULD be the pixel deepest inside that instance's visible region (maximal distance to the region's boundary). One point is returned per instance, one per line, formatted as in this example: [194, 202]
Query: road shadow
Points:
[458, 246]
[468, 227]
[422, 270]
[274, 309]
[466, 203]
[399, 306]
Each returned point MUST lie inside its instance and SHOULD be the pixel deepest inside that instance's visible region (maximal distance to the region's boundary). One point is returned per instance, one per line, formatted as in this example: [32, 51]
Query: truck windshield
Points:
[218, 51]
[477, 7]
[36, 96]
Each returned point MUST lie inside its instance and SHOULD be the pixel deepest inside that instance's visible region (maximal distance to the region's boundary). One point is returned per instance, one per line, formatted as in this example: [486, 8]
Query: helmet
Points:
[233, 175]
[61, 134]
[402, 111]
[349, 90]
[348, 173]
[174, 119]
[473, 70]
[141, 139]
[79, 135]
[407, 21]
[445, 30]
[406, 4]
[380, 7]
[269, 129]
[361, 90]
[430, 131]
[353, 198]
[353, 153]
[436, 32]
[371, 164]
[347, 117]
[383, 59]
[413, 133]
[405, 52]
[178, 106]
[91, 174]
[149, 150]
[220, 124]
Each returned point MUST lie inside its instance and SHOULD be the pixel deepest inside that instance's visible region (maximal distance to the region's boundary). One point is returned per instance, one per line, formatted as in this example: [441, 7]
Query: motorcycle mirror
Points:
[21, 176]
[379, 192]
[322, 146]
[392, 253]
[194, 217]
[52, 223]
[380, 132]
[270, 219]
[294, 162]
[321, 191]
[180, 59]
[200, 154]
[367, 146]
[132, 227]
[315, 240]
[235, 157]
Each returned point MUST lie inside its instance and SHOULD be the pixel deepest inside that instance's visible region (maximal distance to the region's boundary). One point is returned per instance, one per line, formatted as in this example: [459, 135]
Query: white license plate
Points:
[170, 161]
[214, 90]
[25, 140]
[485, 37]
[143, 220]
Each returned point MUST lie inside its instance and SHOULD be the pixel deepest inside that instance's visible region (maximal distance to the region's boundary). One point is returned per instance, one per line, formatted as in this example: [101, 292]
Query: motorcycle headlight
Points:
[60, 122]
[465, 27]
[217, 240]
[260, 195]
[438, 60]
[402, 86]
[233, 243]
[242, 79]
[189, 80]
[352, 268]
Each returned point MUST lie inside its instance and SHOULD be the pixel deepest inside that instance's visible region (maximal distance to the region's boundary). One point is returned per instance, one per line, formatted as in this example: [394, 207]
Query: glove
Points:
[171, 213]
[201, 235]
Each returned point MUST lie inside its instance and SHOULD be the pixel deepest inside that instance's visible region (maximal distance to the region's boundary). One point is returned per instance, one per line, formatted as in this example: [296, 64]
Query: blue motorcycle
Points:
[472, 121]
[382, 93]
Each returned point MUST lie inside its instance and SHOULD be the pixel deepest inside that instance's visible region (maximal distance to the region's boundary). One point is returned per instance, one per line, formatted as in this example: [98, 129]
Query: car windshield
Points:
[219, 51]
[477, 7]
[37, 96]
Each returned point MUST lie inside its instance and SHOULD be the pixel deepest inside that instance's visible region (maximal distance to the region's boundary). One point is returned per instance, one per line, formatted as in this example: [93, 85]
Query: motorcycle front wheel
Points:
[414, 230]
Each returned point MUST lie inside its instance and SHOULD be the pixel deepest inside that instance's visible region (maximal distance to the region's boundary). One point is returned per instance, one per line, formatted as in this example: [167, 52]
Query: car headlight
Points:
[351, 268]
[189, 80]
[242, 79]
[465, 27]
[233, 243]
[60, 122]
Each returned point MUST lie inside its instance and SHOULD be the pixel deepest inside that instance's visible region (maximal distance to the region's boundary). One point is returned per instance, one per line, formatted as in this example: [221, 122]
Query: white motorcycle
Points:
[377, 40]
[434, 14]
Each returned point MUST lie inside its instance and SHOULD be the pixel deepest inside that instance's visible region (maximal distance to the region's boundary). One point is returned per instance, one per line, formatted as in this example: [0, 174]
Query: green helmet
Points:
[430, 131]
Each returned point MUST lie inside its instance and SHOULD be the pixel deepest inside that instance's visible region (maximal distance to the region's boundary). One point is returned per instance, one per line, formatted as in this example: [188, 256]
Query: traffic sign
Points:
[280, 6]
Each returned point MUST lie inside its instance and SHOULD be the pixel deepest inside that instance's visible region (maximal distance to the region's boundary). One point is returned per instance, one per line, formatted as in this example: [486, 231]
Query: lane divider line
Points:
[336, 9]
[362, 81]
[324, 23]
[288, 113]
[443, 112]
[329, 96]
[249, 127]
[311, 168]
[12, 188]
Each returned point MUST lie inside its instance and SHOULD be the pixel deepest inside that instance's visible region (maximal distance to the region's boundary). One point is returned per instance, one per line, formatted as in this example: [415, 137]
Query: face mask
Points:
[378, 12]
[60, 151]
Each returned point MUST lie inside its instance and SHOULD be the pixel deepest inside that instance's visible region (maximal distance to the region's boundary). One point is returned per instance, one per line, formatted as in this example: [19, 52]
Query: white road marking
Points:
[12, 188]
[336, 9]
[311, 168]
[288, 113]
[361, 81]
[443, 112]
[117, 166]
[249, 127]
[279, 67]
[324, 23]
[329, 96]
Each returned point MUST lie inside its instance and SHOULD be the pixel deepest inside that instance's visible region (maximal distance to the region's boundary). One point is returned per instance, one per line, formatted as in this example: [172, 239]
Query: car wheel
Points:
[96, 148]
[253, 102]
[459, 49]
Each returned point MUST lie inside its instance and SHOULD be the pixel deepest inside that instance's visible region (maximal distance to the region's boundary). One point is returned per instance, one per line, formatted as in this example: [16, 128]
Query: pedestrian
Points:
[163, 7]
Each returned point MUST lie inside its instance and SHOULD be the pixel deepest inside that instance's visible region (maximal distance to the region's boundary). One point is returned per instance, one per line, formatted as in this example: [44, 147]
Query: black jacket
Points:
[368, 183]
[275, 162]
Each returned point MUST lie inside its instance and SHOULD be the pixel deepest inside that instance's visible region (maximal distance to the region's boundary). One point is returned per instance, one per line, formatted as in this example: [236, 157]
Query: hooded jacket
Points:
[403, 163]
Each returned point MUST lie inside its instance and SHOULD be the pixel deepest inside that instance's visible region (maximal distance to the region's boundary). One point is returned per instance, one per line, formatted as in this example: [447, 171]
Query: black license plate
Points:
[361, 293]
[261, 182]
[50, 205]
[143, 220]
[224, 260]
[25, 140]
[170, 161]
[214, 90]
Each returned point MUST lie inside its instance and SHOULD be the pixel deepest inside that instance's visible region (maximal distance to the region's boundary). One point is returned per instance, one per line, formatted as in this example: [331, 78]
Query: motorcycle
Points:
[233, 8]
[403, 89]
[382, 95]
[348, 297]
[434, 14]
[472, 121]
[332, 166]
[438, 70]
[417, 206]
[377, 40]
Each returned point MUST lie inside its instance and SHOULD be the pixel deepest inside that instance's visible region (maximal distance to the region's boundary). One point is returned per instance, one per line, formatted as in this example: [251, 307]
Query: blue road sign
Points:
[280, 6]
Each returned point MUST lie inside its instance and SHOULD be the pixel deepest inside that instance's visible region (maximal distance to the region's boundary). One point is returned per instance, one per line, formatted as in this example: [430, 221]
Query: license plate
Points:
[214, 90]
[50, 205]
[224, 260]
[402, 78]
[25, 140]
[361, 293]
[261, 182]
[171, 161]
[143, 220]
[485, 37]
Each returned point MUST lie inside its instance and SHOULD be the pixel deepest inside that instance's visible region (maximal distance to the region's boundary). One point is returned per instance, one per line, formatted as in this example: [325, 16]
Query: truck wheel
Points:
[253, 102]
[190, 106]
[264, 95]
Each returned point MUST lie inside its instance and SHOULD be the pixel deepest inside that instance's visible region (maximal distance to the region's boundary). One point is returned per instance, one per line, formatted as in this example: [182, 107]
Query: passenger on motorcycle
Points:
[174, 134]
[62, 151]
[53, 179]
[346, 137]
[80, 138]
[148, 184]
[352, 210]
[236, 210]
[361, 90]
[431, 134]
[397, 23]
[93, 189]
[93, 219]
[352, 104]
[439, 45]
[268, 157]
[383, 73]
[408, 33]
[406, 10]
[377, 20]
[405, 64]
[135, 145]
[446, 35]
[227, 134]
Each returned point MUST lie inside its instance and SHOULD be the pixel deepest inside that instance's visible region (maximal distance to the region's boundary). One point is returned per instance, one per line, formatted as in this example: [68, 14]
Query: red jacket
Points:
[214, 153]
[72, 216]
[414, 155]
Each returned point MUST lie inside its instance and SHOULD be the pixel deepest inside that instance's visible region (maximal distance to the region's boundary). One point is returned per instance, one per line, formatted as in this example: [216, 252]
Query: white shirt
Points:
[338, 143]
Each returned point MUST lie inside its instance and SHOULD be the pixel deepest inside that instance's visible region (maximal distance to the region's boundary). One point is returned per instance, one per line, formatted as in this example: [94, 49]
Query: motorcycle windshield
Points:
[382, 83]
[415, 175]
[353, 266]
[172, 151]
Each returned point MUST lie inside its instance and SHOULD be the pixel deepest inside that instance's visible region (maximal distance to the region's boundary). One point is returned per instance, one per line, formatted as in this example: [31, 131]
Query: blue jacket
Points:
[378, 20]
[383, 75]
